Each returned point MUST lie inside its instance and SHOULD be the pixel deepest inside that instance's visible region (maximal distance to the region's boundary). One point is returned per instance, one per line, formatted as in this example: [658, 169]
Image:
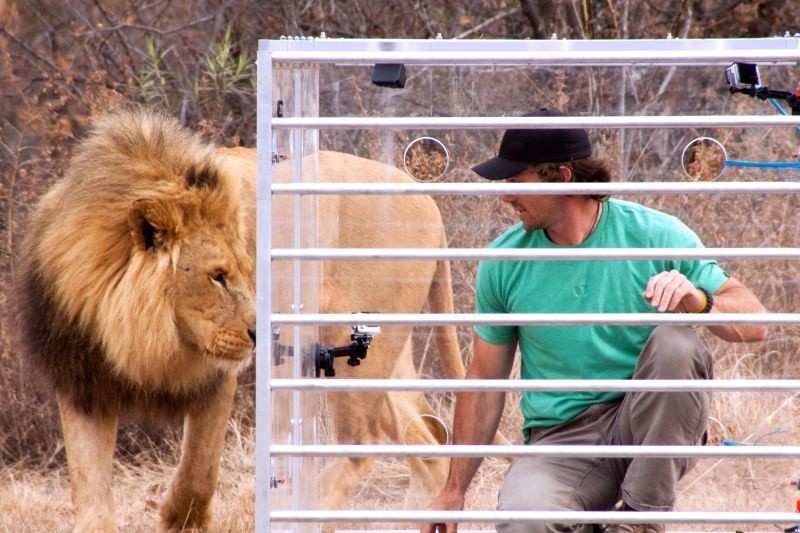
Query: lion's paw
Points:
[188, 518]
[95, 524]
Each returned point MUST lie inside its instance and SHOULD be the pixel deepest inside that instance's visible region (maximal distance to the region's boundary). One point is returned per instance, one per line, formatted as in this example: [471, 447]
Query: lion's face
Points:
[188, 287]
[143, 256]
[214, 295]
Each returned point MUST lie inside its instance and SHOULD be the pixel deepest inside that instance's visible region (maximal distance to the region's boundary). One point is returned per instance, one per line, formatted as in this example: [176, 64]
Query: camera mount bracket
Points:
[744, 78]
[324, 356]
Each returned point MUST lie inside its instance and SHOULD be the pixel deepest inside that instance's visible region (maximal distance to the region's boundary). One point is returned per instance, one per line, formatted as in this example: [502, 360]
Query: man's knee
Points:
[530, 486]
[673, 352]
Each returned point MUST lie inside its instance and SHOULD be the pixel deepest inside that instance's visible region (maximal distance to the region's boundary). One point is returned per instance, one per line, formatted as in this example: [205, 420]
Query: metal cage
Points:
[291, 120]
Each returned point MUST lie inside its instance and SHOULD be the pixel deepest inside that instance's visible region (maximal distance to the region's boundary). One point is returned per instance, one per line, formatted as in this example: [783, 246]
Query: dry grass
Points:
[37, 500]
[766, 418]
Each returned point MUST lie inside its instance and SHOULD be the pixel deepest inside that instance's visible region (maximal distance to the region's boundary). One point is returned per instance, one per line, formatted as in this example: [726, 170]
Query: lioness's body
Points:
[137, 294]
[368, 221]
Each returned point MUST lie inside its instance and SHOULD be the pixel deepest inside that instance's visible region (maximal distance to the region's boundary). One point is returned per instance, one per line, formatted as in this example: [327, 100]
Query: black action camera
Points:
[742, 76]
[389, 75]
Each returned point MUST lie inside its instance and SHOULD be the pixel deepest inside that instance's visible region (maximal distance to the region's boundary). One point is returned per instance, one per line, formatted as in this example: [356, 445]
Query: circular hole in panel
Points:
[418, 429]
[703, 159]
[426, 159]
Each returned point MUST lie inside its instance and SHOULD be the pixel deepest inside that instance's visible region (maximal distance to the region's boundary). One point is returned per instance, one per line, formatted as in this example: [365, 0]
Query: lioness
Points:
[365, 221]
[136, 295]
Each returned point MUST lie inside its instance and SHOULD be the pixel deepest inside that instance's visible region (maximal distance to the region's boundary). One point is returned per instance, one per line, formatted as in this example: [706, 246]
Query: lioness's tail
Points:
[440, 300]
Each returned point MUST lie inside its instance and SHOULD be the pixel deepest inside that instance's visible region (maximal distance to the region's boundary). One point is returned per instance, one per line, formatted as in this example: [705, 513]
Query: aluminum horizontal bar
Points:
[588, 517]
[502, 46]
[459, 385]
[532, 319]
[518, 450]
[479, 254]
[502, 123]
[619, 188]
[586, 58]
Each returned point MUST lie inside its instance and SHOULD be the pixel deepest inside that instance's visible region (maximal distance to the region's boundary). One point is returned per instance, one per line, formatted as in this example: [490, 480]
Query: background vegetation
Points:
[60, 63]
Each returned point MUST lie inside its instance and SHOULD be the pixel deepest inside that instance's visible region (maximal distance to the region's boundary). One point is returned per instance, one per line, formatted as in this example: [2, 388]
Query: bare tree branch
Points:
[479, 27]
[151, 29]
[575, 17]
[33, 53]
[531, 10]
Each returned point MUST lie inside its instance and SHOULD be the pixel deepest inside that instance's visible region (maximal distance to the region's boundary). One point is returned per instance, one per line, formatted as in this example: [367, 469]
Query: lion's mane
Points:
[95, 317]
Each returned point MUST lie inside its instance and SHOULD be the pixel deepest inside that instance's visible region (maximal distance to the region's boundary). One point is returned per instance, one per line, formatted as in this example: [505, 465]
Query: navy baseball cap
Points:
[520, 148]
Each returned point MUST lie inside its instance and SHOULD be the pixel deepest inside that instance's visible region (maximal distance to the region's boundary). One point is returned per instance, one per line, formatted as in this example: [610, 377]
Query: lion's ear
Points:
[154, 224]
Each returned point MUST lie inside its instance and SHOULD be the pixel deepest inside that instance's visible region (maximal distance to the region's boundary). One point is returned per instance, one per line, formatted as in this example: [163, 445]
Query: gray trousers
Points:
[649, 418]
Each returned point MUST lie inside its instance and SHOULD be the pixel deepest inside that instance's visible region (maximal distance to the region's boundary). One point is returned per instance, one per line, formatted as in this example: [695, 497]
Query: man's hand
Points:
[475, 421]
[671, 292]
[439, 527]
[444, 502]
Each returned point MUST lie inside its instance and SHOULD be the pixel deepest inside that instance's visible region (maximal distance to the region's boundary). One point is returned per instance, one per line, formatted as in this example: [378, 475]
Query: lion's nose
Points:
[252, 335]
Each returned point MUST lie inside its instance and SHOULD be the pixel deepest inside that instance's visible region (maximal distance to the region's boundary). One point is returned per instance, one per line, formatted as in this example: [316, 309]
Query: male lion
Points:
[137, 296]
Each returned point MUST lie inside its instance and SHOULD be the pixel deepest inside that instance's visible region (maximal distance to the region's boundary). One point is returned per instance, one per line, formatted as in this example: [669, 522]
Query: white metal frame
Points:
[675, 52]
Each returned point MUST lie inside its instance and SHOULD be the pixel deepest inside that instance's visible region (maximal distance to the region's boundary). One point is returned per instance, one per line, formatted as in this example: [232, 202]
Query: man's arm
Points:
[673, 292]
[475, 421]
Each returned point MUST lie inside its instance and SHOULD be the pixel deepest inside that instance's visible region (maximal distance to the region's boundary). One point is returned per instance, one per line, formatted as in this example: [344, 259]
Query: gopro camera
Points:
[366, 330]
[743, 76]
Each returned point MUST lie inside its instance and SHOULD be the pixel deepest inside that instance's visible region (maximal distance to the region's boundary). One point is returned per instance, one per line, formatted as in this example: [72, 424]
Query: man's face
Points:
[535, 211]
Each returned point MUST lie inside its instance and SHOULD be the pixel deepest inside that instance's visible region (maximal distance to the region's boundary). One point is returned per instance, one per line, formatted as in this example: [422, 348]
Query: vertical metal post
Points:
[297, 153]
[263, 292]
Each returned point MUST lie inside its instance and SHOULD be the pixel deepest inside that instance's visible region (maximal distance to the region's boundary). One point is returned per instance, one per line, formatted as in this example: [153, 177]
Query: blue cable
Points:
[762, 164]
[777, 105]
[727, 442]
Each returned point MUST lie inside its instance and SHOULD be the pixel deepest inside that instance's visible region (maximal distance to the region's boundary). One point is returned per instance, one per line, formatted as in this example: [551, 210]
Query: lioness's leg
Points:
[353, 417]
[188, 503]
[89, 441]
[410, 420]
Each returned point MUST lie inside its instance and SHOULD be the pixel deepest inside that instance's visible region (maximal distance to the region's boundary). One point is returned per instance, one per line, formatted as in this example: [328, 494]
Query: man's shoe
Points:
[632, 528]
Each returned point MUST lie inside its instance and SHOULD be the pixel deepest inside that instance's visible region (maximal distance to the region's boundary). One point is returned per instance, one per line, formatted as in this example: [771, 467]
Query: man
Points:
[590, 352]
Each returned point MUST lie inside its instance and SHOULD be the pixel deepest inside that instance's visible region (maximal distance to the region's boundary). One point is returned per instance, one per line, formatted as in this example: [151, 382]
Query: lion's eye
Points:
[219, 277]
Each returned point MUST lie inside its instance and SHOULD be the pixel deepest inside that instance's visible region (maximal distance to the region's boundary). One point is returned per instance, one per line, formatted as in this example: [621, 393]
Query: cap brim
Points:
[498, 168]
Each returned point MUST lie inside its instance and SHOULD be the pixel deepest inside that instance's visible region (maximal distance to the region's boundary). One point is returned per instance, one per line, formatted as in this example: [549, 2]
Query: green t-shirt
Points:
[591, 286]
